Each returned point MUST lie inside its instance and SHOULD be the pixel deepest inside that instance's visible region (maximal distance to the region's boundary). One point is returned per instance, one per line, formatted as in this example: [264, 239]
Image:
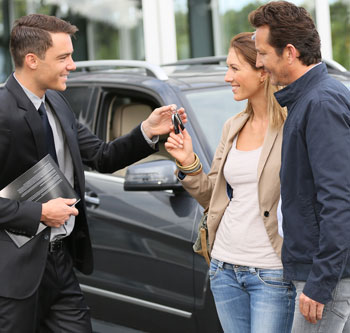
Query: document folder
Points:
[40, 183]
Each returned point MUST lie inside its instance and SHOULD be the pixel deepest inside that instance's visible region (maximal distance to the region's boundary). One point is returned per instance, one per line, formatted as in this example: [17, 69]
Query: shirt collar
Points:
[296, 89]
[33, 98]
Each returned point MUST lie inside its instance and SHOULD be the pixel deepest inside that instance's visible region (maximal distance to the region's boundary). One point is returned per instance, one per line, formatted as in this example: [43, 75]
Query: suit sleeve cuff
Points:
[152, 142]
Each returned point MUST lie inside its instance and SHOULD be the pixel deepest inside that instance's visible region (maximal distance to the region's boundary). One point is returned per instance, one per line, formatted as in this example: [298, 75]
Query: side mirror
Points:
[152, 176]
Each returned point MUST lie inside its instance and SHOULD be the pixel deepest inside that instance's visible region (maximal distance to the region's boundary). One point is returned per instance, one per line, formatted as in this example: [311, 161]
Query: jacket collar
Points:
[23, 102]
[269, 140]
[34, 122]
[288, 95]
[31, 115]
[237, 125]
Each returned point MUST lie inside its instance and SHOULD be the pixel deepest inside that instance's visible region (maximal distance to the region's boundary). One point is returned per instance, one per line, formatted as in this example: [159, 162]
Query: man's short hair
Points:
[31, 34]
[289, 24]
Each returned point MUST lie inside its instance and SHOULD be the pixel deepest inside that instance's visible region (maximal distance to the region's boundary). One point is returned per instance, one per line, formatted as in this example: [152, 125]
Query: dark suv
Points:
[142, 222]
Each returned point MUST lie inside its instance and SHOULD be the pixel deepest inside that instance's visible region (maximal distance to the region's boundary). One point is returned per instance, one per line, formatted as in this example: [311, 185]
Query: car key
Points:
[176, 119]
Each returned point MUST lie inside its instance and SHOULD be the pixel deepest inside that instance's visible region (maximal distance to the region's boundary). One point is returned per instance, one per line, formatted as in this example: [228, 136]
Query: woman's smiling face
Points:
[245, 80]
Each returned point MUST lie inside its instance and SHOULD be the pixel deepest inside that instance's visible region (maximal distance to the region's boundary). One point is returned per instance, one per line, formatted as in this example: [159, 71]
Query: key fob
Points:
[179, 121]
[175, 123]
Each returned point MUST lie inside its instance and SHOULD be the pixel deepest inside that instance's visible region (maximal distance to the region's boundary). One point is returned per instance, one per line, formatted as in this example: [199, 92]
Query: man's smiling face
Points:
[267, 58]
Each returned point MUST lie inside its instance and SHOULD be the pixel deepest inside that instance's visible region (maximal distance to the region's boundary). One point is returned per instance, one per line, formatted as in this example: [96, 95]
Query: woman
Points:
[241, 194]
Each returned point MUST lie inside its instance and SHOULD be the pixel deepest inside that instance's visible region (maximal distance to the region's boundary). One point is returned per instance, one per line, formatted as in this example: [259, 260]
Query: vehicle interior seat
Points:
[124, 118]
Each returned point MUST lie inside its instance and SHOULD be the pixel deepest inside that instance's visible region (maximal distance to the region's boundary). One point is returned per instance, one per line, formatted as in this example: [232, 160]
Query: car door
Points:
[142, 241]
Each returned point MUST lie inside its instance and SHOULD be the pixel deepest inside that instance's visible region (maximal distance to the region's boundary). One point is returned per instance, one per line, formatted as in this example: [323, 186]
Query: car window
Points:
[211, 108]
[124, 114]
[78, 98]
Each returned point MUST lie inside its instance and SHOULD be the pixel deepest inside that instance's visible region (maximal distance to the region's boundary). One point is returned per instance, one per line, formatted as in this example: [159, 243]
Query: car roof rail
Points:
[151, 69]
[199, 61]
[332, 64]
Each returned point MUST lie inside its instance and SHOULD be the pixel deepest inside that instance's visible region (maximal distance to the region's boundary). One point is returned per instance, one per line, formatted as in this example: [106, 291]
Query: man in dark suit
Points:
[38, 289]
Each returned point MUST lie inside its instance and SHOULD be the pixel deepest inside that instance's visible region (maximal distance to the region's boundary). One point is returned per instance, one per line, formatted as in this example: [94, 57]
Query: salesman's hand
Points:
[56, 212]
[310, 309]
[159, 122]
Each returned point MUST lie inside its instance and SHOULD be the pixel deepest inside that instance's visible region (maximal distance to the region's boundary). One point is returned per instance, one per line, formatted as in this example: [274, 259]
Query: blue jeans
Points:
[250, 299]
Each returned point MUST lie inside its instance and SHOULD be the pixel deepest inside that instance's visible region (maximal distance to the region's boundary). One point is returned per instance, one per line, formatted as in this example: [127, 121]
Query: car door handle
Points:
[91, 198]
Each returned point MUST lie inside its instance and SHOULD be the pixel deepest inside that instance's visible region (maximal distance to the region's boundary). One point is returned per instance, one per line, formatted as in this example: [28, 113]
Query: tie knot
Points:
[42, 109]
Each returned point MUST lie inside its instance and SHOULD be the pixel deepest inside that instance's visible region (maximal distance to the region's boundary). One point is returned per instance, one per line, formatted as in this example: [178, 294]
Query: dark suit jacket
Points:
[22, 144]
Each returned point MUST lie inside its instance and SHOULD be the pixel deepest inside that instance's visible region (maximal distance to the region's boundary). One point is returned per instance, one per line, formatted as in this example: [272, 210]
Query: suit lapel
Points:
[31, 115]
[270, 139]
[66, 120]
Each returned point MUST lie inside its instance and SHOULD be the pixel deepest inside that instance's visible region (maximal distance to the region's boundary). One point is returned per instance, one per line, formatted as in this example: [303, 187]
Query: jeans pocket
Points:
[340, 304]
[273, 278]
[213, 269]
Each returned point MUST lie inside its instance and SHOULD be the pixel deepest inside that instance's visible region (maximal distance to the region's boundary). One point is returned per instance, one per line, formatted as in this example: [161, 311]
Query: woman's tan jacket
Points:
[211, 190]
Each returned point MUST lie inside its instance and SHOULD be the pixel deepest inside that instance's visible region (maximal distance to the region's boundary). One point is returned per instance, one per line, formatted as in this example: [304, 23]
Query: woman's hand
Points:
[180, 147]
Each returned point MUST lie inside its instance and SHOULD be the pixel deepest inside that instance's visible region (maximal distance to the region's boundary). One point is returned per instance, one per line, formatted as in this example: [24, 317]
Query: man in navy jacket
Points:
[315, 177]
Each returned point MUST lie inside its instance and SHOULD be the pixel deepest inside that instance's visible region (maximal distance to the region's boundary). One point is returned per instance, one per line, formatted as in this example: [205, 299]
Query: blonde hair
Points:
[244, 44]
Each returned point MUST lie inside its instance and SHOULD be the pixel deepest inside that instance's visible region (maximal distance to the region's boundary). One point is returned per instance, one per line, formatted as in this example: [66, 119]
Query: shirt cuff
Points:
[152, 142]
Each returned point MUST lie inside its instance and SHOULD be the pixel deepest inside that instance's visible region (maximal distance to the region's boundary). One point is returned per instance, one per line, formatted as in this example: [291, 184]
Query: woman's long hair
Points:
[245, 46]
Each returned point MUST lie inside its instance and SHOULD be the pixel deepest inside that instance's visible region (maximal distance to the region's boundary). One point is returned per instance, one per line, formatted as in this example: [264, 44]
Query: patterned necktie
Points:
[50, 143]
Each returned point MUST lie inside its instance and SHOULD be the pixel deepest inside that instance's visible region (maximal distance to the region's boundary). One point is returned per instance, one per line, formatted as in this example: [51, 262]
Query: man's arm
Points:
[328, 143]
[127, 149]
[20, 217]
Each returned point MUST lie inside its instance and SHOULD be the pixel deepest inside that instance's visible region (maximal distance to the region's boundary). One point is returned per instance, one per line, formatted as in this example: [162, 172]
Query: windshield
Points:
[211, 108]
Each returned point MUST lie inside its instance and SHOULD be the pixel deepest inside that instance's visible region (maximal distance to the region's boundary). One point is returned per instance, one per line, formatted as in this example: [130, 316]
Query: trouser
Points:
[57, 306]
[336, 313]
[250, 299]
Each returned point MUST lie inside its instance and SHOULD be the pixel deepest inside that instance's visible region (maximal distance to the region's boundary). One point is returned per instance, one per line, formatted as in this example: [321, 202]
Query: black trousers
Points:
[58, 306]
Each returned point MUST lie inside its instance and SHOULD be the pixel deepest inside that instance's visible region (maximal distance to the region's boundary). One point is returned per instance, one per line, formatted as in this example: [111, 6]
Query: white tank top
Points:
[241, 238]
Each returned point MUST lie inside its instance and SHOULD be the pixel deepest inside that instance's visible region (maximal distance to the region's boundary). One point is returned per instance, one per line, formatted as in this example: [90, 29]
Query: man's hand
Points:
[56, 212]
[310, 309]
[159, 121]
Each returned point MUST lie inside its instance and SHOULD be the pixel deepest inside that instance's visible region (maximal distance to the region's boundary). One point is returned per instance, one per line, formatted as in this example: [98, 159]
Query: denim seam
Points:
[332, 307]
[284, 286]
[214, 272]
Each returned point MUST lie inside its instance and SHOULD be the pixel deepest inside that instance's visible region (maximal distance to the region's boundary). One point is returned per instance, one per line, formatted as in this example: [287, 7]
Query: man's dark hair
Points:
[31, 34]
[289, 24]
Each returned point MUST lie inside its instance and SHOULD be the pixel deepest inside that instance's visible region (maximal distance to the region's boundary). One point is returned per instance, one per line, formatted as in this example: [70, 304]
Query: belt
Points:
[56, 246]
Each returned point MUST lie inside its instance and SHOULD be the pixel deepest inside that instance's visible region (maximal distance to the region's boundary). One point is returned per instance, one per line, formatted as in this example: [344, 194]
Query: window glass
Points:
[4, 54]
[211, 108]
[340, 25]
[114, 29]
[182, 29]
[124, 113]
[230, 17]
[79, 98]
[107, 29]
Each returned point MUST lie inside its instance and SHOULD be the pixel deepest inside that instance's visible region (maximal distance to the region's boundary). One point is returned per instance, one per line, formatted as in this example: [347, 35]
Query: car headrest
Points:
[127, 116]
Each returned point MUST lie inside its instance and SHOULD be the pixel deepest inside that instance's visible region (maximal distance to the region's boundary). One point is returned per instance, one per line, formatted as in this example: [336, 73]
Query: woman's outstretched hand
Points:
[180, 147]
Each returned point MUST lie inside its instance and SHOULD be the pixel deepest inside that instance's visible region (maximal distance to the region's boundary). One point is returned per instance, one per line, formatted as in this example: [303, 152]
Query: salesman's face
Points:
[53, 70]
